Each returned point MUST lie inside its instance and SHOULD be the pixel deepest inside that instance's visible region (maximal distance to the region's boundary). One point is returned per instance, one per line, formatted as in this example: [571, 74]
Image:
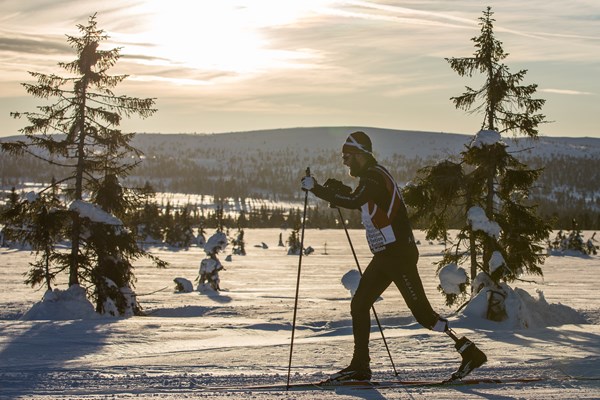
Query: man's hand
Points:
[337, 186]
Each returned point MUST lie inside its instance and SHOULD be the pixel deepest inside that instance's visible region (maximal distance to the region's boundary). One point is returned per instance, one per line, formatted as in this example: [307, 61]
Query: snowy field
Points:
[190, 342]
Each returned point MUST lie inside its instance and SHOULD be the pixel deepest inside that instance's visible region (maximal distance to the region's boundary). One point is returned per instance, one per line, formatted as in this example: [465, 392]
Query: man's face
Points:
[351, 160]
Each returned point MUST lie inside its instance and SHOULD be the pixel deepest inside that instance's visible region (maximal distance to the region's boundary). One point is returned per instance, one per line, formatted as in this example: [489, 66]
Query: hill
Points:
[386, 142]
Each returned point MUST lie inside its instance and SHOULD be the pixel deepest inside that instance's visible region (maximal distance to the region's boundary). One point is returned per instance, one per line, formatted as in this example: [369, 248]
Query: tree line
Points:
[566, 188]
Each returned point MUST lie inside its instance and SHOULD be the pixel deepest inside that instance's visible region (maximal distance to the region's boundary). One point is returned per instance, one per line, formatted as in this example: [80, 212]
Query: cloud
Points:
[567, 92]
[323, 61]
[371, 10]
[32, 45]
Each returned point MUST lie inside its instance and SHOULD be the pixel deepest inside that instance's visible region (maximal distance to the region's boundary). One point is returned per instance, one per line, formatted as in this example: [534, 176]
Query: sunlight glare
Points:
[221, 35]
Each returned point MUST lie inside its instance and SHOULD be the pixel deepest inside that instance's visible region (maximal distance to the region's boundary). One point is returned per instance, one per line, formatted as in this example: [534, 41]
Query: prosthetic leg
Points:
[472, 357]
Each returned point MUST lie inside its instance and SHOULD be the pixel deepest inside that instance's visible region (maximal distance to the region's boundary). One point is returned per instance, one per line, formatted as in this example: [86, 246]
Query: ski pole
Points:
[297, 283]
[373, 306]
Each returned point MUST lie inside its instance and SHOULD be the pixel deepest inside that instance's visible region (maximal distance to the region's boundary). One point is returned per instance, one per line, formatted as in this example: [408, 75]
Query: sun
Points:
[219, 35]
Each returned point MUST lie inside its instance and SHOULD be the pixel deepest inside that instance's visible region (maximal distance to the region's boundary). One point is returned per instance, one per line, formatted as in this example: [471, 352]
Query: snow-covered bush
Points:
[573, 241]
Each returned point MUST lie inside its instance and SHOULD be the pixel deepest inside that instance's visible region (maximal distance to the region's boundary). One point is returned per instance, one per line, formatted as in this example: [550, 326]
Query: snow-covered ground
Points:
[240, 336]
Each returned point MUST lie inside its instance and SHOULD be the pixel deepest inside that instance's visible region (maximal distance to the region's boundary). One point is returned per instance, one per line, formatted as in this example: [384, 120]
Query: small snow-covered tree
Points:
[146, 218]
[294, 245]
[239, 244]
[8, 213]
[486, 191]
[149, 223]
[573, 241]
[208, 274]
[112, 247]
[179, 232]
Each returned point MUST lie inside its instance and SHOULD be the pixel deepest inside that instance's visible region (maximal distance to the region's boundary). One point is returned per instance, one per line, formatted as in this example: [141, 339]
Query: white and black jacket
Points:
[384, 214]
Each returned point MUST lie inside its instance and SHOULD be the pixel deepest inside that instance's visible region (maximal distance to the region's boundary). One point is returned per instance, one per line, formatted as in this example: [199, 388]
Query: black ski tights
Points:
[385, 268]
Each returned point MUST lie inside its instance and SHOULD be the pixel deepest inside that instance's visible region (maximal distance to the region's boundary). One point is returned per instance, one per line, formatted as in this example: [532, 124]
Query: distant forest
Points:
[567, 189]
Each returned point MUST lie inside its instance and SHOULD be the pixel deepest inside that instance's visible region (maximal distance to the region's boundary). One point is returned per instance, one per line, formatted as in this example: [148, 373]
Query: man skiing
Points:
[395, 255]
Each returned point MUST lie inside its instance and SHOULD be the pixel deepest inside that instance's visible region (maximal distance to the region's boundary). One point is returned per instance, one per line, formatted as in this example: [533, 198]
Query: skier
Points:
[395, 255]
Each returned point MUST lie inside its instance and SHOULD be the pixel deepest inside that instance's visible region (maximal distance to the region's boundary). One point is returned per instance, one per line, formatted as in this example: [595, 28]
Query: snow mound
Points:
[540, 313]
[183, 285]
[62, 305]
[350, 281]
[524, 311]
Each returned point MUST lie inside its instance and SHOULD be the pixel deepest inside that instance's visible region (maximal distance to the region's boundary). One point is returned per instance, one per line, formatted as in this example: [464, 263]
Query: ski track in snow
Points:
[192, 342]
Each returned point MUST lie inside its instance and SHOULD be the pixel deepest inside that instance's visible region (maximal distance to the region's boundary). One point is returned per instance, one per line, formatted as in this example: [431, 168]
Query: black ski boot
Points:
[356, 371]
[472, 358]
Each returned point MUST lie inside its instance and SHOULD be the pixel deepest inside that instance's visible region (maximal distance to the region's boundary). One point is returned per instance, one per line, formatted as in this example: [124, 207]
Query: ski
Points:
[358, 385]
[458, 382]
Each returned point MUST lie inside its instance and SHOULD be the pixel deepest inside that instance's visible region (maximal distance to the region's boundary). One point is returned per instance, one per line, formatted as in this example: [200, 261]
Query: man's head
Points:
[357, 152]
[358, 142]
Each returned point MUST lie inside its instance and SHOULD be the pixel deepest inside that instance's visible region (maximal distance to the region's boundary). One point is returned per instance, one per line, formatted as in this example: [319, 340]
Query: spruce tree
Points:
[486, 190]
[150, 227]
[79, 132]
[37, 221]
[294, 245]
[9, 212]
[505, 103]
[239, 243]
[180, 233]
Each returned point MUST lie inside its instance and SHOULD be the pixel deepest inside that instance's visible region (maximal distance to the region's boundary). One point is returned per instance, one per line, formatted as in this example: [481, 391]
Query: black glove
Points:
[337, 187]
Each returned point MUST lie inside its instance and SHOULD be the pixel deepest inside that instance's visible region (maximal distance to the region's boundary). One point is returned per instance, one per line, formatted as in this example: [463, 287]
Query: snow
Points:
[496, 261]
[183, 285]
[241, 335]
[216, 243]
[31, 196]
[94, 213]
[524, 311]
[486, 138]
[479, 222]
[350, 281]
[451, 277]
[59, 305]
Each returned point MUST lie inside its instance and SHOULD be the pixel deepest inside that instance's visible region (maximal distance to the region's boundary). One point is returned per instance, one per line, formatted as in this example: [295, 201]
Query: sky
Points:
[232, 65]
